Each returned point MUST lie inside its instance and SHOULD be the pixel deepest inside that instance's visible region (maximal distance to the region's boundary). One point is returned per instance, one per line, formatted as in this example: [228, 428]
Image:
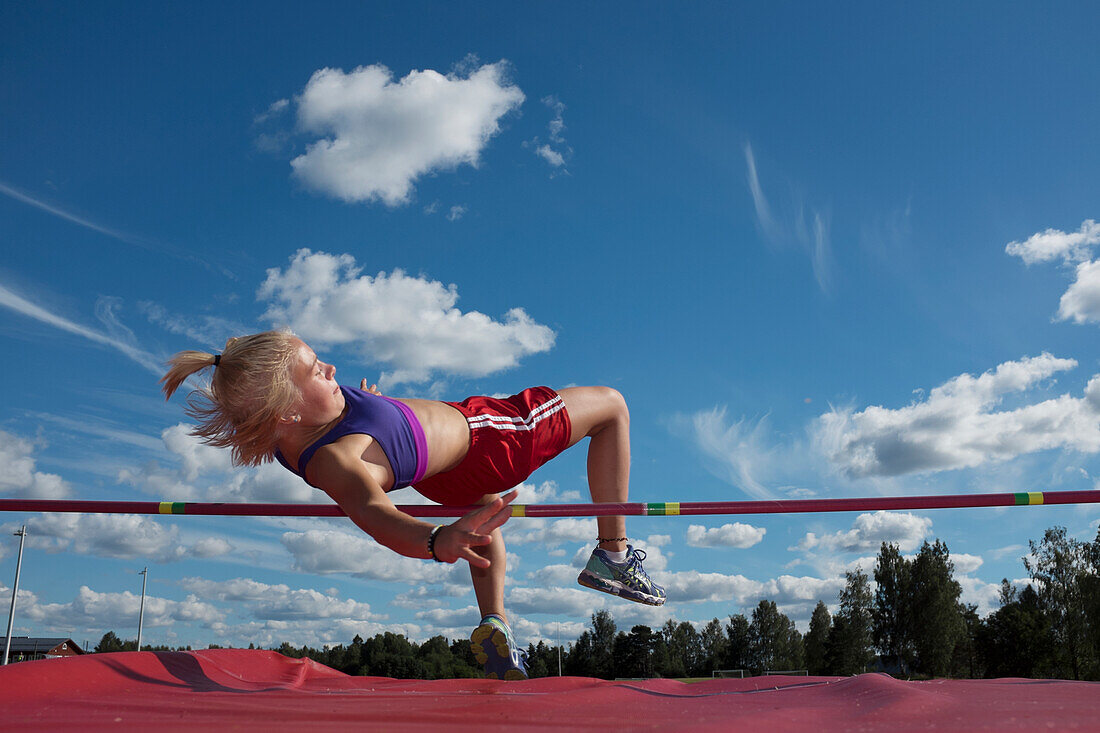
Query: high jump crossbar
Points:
[650, 509]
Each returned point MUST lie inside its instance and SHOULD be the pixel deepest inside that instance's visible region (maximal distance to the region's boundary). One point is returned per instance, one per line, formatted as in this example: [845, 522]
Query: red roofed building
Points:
[27, 648]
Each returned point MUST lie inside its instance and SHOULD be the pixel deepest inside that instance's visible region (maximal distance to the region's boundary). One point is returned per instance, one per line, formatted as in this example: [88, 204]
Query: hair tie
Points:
[217, 359]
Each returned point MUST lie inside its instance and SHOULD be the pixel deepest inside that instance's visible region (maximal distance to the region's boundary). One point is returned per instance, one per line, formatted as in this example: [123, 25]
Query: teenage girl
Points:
[271, 397]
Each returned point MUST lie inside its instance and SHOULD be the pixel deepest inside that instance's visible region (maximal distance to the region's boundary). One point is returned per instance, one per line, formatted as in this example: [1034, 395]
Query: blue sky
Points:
[824, 252]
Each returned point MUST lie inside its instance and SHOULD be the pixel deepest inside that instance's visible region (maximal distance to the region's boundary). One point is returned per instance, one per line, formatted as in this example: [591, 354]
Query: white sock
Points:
[617, 557]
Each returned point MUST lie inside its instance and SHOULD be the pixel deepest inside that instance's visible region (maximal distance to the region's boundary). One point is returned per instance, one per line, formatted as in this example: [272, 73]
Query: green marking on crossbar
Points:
[1029, 498]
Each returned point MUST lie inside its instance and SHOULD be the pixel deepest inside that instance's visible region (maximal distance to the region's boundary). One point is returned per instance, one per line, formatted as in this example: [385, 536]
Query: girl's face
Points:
[322, 401]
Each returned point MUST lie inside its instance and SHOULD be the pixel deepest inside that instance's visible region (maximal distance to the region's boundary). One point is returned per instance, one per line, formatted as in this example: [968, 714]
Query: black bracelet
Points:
[612, 539]
[431, 542]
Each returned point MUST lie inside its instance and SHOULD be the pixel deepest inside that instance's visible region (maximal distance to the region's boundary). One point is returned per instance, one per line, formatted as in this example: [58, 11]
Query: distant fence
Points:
[742, 673]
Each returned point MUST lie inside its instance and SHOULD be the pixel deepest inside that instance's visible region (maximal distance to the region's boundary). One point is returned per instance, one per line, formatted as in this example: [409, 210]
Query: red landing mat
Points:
[233, 689]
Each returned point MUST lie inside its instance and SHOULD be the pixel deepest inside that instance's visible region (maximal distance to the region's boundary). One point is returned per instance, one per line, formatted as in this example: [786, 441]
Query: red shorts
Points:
[509, 439]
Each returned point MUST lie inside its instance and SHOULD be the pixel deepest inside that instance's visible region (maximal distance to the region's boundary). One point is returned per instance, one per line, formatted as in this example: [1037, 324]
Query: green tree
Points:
[966, 659]
[579, 662]
[774, 642]
[110, 643]
[1014, 640]
[737, 648]
[714, 645]
[673, 663]
[848, 646]
[542, 660]
[936, 622]
[633, 653]
[685, 649]
[1061, 569]
[816, 638]
[890, 614]
[603, 641]
[391, 655]
[1090, 587]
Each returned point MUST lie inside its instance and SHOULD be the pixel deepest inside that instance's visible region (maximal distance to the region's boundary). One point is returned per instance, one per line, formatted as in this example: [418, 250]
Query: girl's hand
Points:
[373, 389]
[454, 541]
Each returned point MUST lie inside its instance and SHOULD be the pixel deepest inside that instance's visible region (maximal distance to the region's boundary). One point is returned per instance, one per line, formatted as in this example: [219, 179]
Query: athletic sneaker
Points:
[494, 650]
[626, 579]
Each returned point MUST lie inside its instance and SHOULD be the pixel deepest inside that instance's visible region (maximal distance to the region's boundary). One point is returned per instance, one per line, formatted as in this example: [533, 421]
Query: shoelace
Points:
[634, 566]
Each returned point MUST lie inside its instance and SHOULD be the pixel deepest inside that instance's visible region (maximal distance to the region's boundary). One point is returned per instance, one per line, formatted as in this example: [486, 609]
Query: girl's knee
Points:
[615, 403]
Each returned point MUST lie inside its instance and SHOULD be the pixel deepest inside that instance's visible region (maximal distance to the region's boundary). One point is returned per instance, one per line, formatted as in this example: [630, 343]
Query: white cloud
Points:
[1053, 244]
[274, 109]
[1081, 302]
[557, 600]
[91, 610]
[550, 155]
[551, 576]
[728, 535]
[985, 595]
[693, 586]
[280, 602]
[425, 596]
[211, 547]
[966, 564]
[956, 427]
[410, 323]
[456, 213]
[869, 531]
[205, 473]
[545, 493]
[551, 533]
[125, 536]
[18, 478]
[468, 616]
[379, 136]
[332, 551]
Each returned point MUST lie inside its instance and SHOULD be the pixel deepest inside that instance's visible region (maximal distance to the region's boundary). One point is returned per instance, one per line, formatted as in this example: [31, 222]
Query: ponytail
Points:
[248, 393]
[182, 366]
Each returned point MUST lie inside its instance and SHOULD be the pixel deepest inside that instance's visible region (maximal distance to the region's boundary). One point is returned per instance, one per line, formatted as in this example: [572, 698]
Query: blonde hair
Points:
[250, 390]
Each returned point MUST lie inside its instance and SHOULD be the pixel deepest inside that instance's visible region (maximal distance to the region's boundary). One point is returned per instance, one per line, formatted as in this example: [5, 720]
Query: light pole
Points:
[141, 613]
[559, 648]
[22, 535]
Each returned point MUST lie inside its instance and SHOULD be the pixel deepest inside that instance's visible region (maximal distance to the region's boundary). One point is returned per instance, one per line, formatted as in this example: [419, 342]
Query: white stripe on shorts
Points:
[503, 422]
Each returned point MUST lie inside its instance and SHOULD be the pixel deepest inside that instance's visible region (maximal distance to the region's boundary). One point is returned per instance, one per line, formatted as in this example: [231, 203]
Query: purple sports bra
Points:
[389, 422]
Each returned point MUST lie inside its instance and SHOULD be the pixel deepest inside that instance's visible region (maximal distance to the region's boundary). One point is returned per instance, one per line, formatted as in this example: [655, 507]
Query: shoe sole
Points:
[499, 643]
[615, 588]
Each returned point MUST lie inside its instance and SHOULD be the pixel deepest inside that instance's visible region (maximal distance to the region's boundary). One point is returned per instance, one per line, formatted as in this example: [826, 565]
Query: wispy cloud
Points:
[739, 452]
[808, 231]
[130, 239]
[19, 304]
[555, 158]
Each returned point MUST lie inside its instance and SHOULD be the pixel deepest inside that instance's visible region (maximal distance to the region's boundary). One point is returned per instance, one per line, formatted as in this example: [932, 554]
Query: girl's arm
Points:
[345, 478]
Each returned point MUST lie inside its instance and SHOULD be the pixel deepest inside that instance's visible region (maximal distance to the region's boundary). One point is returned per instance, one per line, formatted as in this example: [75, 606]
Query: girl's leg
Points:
[600, 413]
[489, 582]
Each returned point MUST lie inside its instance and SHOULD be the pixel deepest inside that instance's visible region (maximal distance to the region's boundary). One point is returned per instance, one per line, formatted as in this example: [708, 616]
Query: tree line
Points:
[911, 624]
